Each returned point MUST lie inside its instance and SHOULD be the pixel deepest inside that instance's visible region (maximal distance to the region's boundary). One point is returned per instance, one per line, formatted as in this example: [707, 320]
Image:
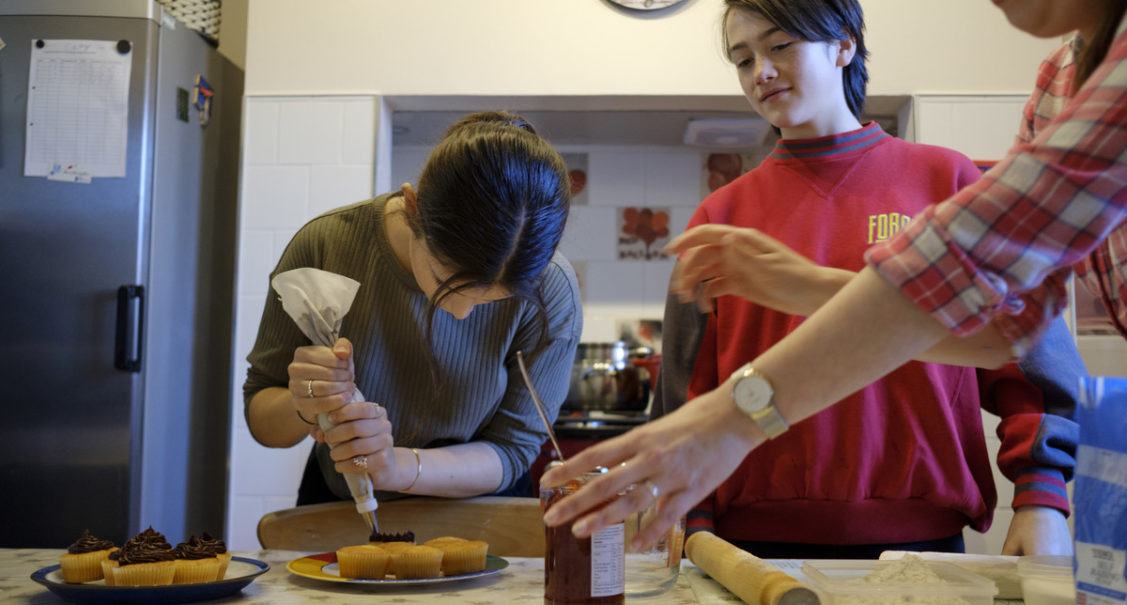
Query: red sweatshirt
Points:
[905, 458]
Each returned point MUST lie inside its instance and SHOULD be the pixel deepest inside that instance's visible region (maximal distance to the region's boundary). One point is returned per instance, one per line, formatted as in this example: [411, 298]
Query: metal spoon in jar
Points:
[539, 405]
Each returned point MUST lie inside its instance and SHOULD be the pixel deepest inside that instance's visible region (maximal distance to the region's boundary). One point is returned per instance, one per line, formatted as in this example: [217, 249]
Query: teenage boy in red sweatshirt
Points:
[901, 464]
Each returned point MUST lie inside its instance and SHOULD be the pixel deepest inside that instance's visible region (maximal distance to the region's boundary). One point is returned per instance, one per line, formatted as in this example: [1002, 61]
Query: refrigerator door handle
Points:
[130, 319]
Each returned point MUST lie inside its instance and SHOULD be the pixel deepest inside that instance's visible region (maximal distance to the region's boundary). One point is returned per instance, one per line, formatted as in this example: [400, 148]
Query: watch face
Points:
[646, 4]
[752, 393]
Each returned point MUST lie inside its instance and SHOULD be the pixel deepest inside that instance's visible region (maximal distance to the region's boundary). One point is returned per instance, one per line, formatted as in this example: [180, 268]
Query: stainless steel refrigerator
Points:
[116, 294]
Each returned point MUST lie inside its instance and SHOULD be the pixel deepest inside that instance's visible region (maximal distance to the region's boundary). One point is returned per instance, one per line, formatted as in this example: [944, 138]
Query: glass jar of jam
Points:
[591, 570]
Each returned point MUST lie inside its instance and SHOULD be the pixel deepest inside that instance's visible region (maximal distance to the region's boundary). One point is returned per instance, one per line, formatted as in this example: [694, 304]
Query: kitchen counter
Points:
[521, 582]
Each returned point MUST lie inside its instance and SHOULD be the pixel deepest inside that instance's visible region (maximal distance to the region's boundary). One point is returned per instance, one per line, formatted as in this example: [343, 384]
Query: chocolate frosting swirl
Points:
[198, 548]
[88, 543]
[146, 547]
[216, 545]
[150, 536]
[141, 552]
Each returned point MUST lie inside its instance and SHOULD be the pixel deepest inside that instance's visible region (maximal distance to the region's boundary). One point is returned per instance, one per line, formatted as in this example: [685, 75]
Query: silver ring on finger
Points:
[309, 389]
[360, 462]
[654, 491]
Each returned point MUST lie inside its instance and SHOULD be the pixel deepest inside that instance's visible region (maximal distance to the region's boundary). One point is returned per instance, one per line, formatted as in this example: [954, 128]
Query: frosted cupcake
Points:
[219, 549]
[366, 561]
[195, 562]
[143, 561]
[82, 562]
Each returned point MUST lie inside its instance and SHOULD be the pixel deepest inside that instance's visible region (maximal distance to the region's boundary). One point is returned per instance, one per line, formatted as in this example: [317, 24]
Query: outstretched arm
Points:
[718, 260]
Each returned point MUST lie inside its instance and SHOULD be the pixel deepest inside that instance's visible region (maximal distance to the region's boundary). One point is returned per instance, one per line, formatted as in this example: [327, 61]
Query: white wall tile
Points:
[256, 261]
[310, 132]
[615, 282]
[281, 240]
[655, 281]
[334, 186]
[616, 177]
[247, 318]
[275, 197]
[673, 179]
[981, 127]
[590, 234]
[679, 219]
[358, 145]
[261, 132]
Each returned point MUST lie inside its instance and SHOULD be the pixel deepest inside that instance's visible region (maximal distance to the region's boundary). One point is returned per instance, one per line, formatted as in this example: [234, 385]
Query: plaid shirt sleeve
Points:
[1001, 249]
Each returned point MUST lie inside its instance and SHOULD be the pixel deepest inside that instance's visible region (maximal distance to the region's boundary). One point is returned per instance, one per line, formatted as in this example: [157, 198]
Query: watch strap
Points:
[770, 421]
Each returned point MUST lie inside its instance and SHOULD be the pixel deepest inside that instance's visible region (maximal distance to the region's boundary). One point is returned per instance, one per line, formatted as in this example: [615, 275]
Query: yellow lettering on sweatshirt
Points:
[884, 226]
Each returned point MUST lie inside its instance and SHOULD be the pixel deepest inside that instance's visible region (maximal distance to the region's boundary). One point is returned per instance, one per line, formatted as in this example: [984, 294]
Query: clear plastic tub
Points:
[1047, 580]
[897, 582]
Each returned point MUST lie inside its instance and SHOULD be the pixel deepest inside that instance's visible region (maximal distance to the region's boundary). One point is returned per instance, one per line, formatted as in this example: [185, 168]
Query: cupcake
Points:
[195, 562]
[438, 542]
[461, 557]
[392, 548]
[219, 549]
[366, 561]
[145, 560]
[82, 562]
[417, 562]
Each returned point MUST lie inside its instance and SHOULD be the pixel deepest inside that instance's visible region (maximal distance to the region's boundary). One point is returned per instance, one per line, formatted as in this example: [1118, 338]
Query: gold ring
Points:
[360, 462]
[309, 388]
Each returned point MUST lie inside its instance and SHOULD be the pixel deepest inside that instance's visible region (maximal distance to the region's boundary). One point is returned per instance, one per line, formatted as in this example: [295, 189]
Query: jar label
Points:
[608, 563]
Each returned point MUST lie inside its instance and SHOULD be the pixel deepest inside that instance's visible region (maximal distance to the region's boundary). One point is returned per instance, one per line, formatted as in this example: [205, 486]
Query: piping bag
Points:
[318, 301]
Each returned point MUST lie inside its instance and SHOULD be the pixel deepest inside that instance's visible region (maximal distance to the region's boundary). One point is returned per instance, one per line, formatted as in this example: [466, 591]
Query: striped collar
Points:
[867, 136]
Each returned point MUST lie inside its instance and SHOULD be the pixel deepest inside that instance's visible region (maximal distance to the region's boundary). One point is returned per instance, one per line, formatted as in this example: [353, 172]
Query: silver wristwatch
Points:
[753, 394]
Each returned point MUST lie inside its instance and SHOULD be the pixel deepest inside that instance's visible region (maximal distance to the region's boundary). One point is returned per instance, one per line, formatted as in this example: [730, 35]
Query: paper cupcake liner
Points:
[364, 561]
[158, 573]
[83, 567]
[190, 571]
[417, 562]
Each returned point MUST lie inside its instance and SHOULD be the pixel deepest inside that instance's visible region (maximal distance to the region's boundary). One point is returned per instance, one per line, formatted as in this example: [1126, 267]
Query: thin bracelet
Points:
[303, 417]
[418, 470]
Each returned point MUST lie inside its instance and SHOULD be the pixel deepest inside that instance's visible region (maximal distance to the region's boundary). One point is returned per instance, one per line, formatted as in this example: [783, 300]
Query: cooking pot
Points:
[610, 377]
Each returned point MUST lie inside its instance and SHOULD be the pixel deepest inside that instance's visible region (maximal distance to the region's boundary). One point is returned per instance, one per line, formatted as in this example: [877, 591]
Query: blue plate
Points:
[240, 572]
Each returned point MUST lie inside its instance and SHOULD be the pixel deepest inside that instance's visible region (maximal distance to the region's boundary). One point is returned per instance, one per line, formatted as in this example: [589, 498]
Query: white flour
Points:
[910, 569]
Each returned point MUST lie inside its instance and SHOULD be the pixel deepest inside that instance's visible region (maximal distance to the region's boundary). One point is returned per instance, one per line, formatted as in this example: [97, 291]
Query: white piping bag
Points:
[317, 301]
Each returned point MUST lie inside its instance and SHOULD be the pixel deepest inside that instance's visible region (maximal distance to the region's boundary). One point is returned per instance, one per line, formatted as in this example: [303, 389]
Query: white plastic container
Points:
[1047, 580]
[853, 583]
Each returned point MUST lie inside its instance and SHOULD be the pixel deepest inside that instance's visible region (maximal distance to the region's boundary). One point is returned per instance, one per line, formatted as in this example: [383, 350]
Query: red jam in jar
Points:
[590, 571]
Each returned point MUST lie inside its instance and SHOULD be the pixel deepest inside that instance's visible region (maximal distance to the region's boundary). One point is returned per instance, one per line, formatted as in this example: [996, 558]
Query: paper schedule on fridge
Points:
[78, 106]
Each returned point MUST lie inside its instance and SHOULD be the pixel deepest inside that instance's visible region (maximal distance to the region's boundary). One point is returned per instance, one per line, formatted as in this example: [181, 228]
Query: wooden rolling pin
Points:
[748, 577]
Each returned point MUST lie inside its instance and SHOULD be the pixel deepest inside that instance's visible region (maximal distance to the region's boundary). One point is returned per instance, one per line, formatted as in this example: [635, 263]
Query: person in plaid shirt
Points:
[972, 281]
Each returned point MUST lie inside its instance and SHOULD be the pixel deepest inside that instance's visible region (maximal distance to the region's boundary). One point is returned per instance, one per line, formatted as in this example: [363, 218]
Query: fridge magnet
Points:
[642, 232]
[577, 175]
[201, 98]
[69, 173]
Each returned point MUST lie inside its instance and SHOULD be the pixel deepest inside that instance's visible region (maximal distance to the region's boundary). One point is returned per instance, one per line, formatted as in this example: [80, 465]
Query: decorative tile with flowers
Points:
[642, 233]
[577, 175]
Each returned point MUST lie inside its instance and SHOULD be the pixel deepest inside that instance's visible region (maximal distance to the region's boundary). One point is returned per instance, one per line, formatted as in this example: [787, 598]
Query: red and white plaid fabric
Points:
[1002, 249]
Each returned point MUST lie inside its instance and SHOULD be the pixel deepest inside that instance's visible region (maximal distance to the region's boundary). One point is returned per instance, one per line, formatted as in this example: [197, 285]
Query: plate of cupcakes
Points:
[445, 559]
[147, 569]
